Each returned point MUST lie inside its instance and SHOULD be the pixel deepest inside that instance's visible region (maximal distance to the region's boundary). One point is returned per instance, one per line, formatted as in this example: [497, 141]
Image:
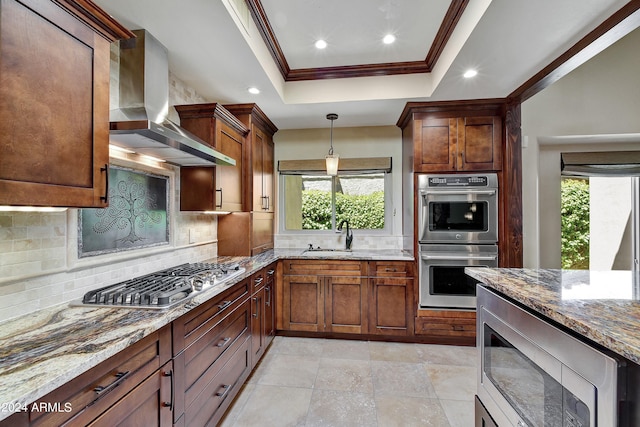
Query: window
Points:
[316, 201]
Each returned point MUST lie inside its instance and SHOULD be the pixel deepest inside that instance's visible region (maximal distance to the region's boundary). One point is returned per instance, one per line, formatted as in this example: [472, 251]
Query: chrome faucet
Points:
[349, 238]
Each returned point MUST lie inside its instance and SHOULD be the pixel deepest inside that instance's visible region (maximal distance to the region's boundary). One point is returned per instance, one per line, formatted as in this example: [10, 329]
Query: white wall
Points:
[594, 108]
[377, 141]
[609, 215]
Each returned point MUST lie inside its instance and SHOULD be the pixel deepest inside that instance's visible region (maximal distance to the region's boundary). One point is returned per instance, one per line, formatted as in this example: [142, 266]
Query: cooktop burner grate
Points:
[163, 288]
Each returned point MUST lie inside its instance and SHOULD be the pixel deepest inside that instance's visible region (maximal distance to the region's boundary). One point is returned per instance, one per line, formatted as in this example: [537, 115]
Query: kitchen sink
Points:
[327, 252]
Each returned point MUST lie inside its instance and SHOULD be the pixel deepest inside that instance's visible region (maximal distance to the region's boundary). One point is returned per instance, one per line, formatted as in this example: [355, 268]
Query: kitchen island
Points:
[46, 349]
[581, 323]
[600, 306]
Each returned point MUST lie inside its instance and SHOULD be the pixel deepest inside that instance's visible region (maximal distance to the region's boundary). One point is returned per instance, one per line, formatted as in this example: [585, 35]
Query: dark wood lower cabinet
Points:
[347, 297]
[447, 326]
[133, 387]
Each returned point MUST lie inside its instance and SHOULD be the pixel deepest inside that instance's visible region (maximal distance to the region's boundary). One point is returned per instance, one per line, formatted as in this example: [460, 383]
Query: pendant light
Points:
[332, 159]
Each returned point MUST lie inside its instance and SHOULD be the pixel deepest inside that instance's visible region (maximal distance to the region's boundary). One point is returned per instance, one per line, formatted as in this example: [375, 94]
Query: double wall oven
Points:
[457, 228]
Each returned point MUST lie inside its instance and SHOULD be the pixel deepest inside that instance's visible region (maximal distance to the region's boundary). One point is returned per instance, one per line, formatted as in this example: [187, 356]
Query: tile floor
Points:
[321, 382]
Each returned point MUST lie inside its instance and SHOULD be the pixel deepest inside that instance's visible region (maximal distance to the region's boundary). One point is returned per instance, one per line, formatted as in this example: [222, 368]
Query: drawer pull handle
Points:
[267, 300]
[224, 342]
[105, 198]
[390, 270]
[458, 328]
[258, 281]
[257, 312]
[219, 190]
[102, 390]
[226, 388]
[224, 305]
[169, 405]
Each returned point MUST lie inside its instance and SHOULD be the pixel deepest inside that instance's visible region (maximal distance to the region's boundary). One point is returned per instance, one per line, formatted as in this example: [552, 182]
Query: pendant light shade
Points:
[332, 159]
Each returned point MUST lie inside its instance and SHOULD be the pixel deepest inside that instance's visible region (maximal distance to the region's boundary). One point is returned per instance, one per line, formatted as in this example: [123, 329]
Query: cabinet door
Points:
[479, 143]
[269, 304]
[303, 303]
[54, 152]
[268, 171]
[197, 189]
[229, 185]
[389, 306]
[345, 304]
[149, 404]
[257, 318]
[435, 143]
[257, 145]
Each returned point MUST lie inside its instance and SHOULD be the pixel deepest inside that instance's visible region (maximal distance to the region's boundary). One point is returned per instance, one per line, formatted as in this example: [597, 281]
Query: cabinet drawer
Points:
[321, 267]
[193, 325]
[257, 281]
[391, 269]
[149, 404]
[101, 387]
[201, 357]
[446, 326]
[209, 406]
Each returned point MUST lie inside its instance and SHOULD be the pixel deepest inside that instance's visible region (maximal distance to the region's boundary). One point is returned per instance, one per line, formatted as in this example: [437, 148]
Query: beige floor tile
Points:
[453, 382]
[275, 406]
[461, 413]
[290, 370]
[344, 375]
[402, 411]
[346, 349]
[447, 354]
[331, 408]
[237, 406]
[401, 379]
[393, 352]
[300, 346]
[262, 366]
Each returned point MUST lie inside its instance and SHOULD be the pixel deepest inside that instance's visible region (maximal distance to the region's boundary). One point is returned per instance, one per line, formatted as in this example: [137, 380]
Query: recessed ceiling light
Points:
[470, 73]
[388, 39]
[254, 90]
[321, 44]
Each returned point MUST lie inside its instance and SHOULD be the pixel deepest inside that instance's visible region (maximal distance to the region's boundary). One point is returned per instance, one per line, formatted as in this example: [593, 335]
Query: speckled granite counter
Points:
[601, 306]
[43, 350]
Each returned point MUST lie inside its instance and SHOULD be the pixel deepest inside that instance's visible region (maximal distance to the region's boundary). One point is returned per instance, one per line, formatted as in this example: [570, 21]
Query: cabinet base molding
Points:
[387, 338]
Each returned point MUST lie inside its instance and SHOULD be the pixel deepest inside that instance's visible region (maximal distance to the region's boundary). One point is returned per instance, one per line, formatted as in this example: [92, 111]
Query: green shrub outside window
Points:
[311, 200]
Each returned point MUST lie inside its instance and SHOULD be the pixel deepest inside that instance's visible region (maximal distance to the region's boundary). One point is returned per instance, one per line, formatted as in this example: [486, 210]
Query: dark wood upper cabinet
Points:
[260, 174]
[450, 136]
[450, 144]
[250, 233]
[220, 187]
[54, 102]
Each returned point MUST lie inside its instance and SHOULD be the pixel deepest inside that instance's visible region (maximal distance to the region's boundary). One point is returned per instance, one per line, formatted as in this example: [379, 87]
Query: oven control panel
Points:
[458, 181]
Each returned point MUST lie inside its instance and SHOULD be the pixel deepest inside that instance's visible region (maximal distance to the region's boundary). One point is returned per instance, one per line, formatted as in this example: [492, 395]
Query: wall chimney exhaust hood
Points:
[141, 121]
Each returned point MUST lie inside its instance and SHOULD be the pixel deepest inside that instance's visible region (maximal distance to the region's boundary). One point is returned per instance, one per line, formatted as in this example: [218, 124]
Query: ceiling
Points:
[218, 49]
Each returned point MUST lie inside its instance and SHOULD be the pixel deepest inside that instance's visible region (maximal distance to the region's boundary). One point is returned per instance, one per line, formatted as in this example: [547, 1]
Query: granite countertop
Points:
[44, 350]
[602, 306]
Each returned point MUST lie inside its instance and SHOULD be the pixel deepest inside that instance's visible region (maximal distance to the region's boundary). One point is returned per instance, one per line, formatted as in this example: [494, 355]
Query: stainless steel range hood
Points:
[141, 122]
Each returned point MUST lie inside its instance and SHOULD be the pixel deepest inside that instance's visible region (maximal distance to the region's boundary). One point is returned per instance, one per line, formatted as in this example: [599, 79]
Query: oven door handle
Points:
[459, 192]
[460, 257]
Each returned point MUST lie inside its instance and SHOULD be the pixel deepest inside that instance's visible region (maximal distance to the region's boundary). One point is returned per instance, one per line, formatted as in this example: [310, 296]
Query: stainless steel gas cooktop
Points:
[163, 289]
